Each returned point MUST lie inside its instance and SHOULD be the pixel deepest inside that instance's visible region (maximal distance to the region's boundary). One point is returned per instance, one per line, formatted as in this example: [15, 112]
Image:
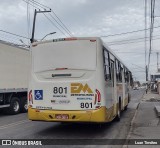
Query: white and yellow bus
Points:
[76, 80]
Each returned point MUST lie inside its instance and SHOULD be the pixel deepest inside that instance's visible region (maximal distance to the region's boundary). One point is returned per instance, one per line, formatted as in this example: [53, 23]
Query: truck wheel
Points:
[14, 106]
[24, 105]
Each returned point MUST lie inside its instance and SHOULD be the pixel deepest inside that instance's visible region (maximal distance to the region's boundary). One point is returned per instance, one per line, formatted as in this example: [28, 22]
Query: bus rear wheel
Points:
[118, 117]
[125, 108]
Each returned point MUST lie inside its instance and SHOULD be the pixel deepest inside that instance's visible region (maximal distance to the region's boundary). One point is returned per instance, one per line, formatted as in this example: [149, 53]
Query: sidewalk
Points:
[146, 123]
[152, 96]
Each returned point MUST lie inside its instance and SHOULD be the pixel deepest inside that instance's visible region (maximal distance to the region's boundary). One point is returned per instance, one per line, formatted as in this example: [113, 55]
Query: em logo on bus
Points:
[77, 88]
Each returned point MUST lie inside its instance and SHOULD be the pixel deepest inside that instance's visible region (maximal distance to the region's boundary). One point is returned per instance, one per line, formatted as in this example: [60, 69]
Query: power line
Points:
[138, 66]
[41, 4]
[131, 42]
[54, 24]
[8, 39]
[123, 33]
[14, 34]
[120, 41]
[60, 24]
[54, 14]
[34, 2]
[47, 18]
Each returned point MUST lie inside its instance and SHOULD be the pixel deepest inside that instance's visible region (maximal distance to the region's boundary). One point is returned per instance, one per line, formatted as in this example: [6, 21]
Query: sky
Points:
[88, 18]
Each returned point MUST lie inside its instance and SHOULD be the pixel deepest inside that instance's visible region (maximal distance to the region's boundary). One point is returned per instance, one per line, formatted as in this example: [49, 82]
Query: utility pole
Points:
[145, 44]
[34, 22]
[157, 60]
[146, 73]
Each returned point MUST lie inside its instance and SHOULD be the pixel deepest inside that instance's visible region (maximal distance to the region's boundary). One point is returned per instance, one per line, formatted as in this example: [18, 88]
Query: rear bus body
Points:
[69, 82]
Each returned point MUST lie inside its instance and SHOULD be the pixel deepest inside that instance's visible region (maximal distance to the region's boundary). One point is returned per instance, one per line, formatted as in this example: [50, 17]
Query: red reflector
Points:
[61, 68]
[92, 40]
[37, 110]
[97, 107]
[99, 95]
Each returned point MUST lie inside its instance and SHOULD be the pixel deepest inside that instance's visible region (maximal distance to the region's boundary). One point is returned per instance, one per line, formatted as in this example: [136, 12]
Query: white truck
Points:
[14, 70]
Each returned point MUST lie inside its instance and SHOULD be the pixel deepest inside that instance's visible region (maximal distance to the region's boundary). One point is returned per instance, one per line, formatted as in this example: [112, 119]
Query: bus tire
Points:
[14, 106]
[126, 107]
[118, 117]
[129, 98]
[24, 105]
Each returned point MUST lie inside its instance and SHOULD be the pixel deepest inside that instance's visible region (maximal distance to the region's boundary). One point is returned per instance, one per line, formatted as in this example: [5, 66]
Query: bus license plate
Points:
[62, 116]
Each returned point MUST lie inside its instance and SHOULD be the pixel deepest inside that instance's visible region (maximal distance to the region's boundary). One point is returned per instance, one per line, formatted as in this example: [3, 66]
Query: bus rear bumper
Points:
[97, 115]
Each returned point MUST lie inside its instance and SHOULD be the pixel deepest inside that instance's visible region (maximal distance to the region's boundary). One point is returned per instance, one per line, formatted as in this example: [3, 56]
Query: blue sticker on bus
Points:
[38, 94]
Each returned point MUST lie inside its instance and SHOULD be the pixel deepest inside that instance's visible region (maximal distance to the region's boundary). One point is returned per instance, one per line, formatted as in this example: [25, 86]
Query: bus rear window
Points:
[78, 54]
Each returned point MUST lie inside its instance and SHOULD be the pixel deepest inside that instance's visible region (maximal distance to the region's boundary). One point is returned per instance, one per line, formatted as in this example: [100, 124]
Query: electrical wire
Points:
[123, 33]
[54, 14]
[121, 41]
[54, 24]
[130, 42]
[41, 4]
[60, 23]
[47, 18]
[14, 34]
[11, 41]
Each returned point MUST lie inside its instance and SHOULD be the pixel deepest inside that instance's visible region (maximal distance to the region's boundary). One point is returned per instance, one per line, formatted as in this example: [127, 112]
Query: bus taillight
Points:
[98, 95]
[61, 68]
[92, 40]
[30, 98]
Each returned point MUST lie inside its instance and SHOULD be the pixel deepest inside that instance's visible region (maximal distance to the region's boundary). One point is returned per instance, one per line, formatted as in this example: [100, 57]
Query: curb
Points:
[157, 108]
[131, 126]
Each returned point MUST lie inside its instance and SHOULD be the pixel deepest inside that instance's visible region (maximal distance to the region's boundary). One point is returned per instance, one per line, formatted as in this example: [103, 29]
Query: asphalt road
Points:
[19, 127]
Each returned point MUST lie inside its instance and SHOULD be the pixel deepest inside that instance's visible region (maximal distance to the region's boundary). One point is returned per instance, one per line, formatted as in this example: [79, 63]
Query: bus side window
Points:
[120, 71]
[126, 75]
[117, 71]
[106, 65]
[112, 71]
[131, 79]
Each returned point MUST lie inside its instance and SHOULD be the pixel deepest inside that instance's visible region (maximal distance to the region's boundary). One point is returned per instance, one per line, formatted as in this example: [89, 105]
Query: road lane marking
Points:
[14, 124]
